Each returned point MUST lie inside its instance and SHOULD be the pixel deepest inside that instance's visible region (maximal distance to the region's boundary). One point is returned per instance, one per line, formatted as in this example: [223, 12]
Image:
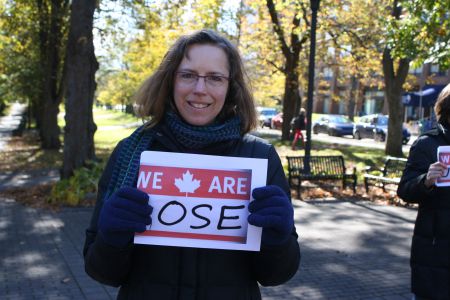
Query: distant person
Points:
[197, 101]
[299, 124]
[430, 250]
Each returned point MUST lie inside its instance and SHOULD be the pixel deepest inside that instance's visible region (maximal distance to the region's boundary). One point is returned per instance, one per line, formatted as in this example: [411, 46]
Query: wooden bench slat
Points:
[321, 168]
[391, 173]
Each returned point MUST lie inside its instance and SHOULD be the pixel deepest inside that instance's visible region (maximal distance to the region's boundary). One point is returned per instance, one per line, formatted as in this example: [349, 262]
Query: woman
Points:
[430, 251]
[198, 102]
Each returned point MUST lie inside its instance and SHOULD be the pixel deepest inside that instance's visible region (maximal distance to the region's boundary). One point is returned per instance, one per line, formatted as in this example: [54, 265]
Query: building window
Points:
[327, 73]
[326, 105]
[436, 70]
[416, 71]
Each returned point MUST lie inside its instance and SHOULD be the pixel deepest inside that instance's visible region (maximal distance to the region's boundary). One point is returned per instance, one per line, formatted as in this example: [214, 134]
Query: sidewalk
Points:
[16, 179]
[350, 250]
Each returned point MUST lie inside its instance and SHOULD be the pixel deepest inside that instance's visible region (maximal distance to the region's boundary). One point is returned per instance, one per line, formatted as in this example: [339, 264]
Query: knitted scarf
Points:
[197, 137]
[126, 168]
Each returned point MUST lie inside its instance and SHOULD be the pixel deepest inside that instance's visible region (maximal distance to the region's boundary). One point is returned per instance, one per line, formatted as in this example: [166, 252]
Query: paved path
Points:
[10, 122]
[350, 250]
[17, 179]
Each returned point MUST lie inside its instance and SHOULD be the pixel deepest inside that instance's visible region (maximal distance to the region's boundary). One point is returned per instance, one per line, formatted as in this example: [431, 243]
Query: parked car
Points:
[376, 127]
[335, 125]
[277, 121]
[265, 115]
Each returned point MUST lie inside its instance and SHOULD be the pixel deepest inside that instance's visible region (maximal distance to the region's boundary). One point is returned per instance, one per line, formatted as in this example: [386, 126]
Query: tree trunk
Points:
[81, 65]
[352, 97]
[290, 99]
[51, 36]
[393, 88]
[394, 78]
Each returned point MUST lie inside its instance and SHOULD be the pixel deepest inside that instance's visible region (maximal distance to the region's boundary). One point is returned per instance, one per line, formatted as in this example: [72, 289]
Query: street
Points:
[345, 140]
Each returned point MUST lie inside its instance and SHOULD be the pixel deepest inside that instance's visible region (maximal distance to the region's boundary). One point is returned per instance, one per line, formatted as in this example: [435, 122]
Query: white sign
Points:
[200, 200]
[443, 155]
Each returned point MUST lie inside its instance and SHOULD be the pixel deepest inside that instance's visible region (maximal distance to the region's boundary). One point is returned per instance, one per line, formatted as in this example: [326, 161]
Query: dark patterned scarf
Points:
[197, 137]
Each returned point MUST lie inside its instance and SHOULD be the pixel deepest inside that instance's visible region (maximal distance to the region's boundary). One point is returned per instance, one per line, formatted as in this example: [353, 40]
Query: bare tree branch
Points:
[277, 28]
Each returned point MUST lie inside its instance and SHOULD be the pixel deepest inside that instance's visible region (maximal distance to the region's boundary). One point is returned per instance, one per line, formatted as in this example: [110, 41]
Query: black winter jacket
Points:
[430, 250]
[160, 272]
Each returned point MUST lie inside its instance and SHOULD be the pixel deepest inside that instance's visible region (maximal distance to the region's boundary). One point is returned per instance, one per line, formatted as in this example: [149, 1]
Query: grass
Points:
[103, 117]
[24, 153]
[114, 126]
[113, 118]
[107, 138]
[354, 156]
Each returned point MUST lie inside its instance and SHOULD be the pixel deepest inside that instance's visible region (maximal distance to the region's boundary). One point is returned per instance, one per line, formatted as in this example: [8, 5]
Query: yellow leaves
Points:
[441, 31]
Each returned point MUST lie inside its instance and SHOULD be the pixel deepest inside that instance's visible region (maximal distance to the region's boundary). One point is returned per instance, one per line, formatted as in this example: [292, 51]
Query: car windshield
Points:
[268, 112]
[339, 119]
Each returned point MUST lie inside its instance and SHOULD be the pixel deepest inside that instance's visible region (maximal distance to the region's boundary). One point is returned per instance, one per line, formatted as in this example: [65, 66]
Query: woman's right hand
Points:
[127, 211]
[435, 171]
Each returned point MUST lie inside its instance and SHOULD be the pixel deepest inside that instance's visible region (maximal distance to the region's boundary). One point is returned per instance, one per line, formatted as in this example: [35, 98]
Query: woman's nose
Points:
[200, 85]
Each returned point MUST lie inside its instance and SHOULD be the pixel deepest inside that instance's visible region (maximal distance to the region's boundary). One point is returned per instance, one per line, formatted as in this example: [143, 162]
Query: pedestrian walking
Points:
[430, 250]
[198, 102]
[298, 124]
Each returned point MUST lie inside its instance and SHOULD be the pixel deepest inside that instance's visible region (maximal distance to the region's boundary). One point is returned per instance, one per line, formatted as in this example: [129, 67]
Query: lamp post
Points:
[311, 68]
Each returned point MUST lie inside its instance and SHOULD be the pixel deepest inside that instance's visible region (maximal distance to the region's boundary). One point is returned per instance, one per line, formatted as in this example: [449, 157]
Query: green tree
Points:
[292, 39]
[352, 32]
[156, 28]
[31, 59]
[417, 31]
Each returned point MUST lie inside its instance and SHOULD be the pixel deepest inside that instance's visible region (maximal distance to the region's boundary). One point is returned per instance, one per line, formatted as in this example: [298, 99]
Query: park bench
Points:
[387, 177]
[321, 168]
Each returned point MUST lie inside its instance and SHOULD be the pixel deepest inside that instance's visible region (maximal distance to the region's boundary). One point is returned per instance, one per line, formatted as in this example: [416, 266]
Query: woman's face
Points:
[200, 101]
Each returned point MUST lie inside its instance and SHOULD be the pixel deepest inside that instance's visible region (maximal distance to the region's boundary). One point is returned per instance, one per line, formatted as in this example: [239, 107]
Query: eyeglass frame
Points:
[197, 78]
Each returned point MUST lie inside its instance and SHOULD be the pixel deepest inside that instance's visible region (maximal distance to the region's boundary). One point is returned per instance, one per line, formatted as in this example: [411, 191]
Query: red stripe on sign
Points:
[197, 236]
[191, 182]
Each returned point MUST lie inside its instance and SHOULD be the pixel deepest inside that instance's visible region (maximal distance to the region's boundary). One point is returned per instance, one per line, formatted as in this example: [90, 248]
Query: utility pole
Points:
[311, 69]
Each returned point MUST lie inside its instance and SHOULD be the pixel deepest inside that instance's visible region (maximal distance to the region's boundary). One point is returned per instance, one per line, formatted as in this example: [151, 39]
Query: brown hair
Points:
[442, 106]
[155, 95]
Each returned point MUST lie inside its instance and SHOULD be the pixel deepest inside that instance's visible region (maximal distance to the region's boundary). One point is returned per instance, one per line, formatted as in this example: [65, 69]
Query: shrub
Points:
[73, 190]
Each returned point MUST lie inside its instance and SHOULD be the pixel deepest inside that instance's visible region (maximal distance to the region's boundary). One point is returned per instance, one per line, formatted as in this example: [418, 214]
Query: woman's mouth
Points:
[198, 105]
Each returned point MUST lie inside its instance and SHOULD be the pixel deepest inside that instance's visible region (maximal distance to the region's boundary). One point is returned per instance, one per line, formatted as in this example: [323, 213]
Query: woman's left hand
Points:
[435, 171]
[272, 211]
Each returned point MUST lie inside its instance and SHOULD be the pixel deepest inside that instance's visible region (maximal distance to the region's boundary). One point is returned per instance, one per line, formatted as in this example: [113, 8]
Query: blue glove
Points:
[127, 211]
[272, 211]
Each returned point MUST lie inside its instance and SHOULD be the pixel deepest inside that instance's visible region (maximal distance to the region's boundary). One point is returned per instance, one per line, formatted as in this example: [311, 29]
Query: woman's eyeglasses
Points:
[189, 78]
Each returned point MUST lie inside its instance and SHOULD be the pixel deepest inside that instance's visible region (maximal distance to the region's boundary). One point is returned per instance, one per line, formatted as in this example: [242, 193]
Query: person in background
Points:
[198, 101]
[299, 124]
[430, 250]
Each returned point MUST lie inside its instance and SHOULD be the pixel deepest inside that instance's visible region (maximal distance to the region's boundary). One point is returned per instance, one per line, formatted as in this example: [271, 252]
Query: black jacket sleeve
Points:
[275, 265]
[104, 263]
[421, 155]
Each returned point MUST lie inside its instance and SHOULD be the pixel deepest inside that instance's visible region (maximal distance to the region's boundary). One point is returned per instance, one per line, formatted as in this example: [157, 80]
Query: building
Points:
[351, 96]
